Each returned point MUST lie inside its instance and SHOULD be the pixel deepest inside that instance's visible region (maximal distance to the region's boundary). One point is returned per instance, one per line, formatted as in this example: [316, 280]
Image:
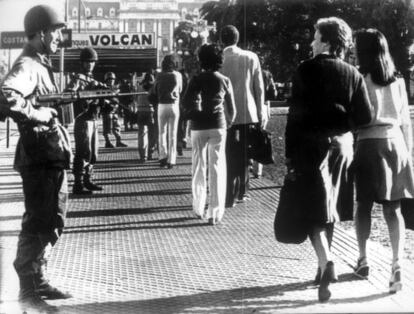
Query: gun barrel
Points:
[67, 97]
[104, 93]
[61, 97]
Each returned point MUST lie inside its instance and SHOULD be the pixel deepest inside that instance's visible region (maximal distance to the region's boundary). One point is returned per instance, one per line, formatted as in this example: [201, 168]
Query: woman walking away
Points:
[383, 152]
[329, 98]
[209, 104]
[167, 88]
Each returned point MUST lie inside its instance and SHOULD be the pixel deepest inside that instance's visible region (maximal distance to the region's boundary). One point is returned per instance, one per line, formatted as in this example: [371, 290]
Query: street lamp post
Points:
[79, 14]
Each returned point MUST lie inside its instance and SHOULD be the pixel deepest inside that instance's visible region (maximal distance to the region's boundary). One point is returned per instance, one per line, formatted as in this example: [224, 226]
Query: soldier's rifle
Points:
[72, 96]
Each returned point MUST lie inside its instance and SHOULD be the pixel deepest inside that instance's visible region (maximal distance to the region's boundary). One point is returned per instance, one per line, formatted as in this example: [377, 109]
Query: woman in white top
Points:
[383, 151]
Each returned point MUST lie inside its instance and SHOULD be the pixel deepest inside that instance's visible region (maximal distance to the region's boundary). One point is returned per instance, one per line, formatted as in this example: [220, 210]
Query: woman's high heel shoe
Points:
[318, 276]
[328, 276]
[395, 281]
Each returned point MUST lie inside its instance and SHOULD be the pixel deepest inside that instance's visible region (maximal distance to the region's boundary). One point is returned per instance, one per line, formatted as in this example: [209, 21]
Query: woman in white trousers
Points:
[168, 115]
[167, 89]
[209, 105]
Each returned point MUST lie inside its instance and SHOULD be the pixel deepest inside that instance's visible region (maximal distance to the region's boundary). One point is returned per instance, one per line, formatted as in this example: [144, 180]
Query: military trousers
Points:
[46, 194]
[86, 145]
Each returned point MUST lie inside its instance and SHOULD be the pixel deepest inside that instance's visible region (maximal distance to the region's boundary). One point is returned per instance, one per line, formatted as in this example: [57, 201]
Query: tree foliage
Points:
[281, 30]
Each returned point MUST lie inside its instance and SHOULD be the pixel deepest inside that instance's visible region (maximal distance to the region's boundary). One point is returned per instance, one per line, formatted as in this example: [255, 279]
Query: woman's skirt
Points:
[326, 168]
[383, 170]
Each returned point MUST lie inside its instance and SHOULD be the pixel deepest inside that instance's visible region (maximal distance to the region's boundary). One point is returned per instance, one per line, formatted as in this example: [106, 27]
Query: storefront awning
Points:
[120, 61]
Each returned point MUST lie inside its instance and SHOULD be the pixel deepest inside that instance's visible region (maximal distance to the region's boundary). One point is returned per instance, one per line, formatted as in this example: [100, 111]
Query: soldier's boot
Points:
[30, 300]
[46, 290]
[79, 188]
[87, 182]
[118, 141]
[142, 156]
[108, 143]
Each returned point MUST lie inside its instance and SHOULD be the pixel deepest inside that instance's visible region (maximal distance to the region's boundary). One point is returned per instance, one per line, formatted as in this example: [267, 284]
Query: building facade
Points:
[156, 17]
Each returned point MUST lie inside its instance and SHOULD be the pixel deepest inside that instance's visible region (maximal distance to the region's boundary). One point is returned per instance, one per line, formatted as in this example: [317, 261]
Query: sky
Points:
[12, 12]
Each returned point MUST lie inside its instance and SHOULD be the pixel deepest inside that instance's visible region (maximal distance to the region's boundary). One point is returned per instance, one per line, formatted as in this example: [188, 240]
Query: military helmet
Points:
[88, 54]
[109, 75]
[39, 18]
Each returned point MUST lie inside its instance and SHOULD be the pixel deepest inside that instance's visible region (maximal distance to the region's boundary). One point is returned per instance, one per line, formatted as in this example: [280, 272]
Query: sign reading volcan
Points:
[114, 40]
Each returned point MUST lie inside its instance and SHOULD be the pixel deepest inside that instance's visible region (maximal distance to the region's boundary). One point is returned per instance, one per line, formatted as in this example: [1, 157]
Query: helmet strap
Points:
[42, 40]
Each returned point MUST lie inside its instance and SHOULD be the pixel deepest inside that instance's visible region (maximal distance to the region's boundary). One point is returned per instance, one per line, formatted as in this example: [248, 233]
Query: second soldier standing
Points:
[86, 126]
[110, 118]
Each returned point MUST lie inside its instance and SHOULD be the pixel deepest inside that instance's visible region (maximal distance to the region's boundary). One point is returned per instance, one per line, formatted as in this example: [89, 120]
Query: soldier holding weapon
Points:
[86, 125]
[109, 112]
[42, 155]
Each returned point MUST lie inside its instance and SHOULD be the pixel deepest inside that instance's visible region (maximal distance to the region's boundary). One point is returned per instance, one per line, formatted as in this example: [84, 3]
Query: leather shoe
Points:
[318, 276]
[324, 294]
[79, 190]
[52, 293]
[92, 186]
[120, 144]
[36, 303]
[163, 162]
[211, 221]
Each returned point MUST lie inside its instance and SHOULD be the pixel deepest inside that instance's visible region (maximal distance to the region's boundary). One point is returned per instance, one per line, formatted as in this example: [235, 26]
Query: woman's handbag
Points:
[260, 146]
[407, 210]
[290, 225]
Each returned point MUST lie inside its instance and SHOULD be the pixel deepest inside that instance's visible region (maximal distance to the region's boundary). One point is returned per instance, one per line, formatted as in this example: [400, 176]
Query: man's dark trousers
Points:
[237, 162]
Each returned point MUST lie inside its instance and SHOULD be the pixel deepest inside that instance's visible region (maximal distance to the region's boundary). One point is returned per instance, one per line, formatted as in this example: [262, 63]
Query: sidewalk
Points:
[137, 248]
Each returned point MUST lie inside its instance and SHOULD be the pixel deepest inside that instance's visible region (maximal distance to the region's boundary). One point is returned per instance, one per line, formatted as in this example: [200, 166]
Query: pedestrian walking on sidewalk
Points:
[182, 122]
[329, 98]
[270, 94]
[110, 116]
[209, 102]
[243, 69]
[147, 134]
[86, 125]
[383, 162]
[42, 155]
[166, 90]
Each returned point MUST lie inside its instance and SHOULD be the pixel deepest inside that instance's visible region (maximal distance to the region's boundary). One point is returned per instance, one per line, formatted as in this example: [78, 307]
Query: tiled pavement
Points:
[136, 247]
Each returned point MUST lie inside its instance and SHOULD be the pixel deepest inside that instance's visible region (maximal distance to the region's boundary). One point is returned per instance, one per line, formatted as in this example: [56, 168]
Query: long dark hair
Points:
[168, 64]
[210, 57]
[374, 56]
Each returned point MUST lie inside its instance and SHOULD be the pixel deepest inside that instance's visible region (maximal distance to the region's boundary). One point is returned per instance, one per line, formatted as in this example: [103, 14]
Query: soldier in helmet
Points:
[110, 117]
[86, 125]
[40, 165]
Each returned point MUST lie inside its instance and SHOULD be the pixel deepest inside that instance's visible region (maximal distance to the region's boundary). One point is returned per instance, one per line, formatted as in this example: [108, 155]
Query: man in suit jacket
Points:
[243, 69]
